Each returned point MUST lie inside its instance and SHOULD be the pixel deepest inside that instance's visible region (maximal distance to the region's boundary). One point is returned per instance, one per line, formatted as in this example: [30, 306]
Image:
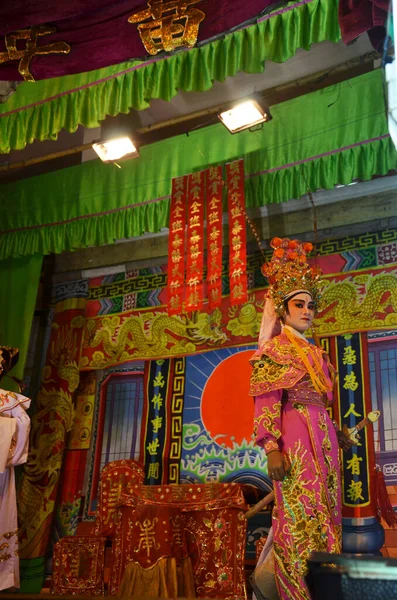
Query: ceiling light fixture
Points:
[245, 115]
[115, 149]
[117, 139]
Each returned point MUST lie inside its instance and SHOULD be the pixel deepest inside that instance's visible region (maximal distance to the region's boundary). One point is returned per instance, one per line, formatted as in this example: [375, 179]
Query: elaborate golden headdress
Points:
[288, 272]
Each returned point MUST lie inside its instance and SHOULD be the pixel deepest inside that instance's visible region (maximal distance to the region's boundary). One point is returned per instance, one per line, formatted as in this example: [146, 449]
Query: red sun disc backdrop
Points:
[226, 407]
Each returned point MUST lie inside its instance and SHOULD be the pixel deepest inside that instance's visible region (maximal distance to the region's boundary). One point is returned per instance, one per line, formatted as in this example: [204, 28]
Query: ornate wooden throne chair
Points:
[79, 562]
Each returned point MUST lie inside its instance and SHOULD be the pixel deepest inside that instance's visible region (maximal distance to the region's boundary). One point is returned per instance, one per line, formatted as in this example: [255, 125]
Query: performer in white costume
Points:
[14, 441]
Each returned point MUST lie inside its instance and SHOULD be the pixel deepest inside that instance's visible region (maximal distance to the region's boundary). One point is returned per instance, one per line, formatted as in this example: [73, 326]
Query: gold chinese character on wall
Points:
[168, 24]
[24, 55]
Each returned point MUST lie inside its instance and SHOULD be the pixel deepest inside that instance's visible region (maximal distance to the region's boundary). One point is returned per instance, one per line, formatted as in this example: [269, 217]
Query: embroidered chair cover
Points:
[78, 564]
[116, 477]
[151, 550]
[79, 561]
[213, 523]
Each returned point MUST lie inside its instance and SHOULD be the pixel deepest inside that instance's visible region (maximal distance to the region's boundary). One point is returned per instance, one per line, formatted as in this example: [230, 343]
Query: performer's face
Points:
[300, 313]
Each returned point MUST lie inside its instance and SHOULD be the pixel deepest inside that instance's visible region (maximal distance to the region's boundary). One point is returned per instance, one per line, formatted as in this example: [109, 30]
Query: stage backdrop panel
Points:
[217, 443]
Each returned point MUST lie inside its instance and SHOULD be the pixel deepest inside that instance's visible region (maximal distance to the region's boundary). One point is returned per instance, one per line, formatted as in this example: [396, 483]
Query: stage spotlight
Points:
[245, 115]
[111, 150]
[117, 135]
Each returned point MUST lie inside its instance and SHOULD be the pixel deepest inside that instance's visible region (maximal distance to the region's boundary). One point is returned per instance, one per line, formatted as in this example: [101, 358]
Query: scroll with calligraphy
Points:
[154, 420]
[176, 246]
[195, 242]
[162, 420]
[352, 409]
[237, 232]
[214, 236]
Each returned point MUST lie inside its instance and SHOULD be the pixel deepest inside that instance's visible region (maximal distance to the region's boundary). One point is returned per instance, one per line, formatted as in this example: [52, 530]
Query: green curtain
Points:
[329, 137]
[19, 282]
[39, 111]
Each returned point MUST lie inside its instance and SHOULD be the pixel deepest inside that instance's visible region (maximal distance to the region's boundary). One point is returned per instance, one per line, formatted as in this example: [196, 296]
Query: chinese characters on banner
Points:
[162, 421]
[237, 232]
[352, 410]
[195, 242]
[62, 38]
[214, 236]
[154, 440]
[168, 25]
[32, 48]
[176, 246]
[199, 195]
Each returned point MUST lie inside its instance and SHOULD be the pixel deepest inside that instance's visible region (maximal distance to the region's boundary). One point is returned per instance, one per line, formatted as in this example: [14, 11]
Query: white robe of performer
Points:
[14, 442]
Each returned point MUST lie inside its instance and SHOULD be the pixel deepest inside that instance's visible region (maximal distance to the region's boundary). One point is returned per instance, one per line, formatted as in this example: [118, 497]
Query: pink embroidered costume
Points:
[292, 386]
[14, 439]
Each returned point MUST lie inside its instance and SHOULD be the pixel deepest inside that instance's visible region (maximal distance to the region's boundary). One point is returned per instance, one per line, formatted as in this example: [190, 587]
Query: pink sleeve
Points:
[267, 420]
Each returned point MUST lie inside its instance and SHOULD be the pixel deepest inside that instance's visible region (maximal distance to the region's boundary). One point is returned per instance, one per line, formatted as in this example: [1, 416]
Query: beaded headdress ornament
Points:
[289, 273]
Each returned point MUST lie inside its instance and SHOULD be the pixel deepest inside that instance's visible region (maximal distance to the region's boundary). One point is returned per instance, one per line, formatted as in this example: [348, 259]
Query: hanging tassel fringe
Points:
[384, 507]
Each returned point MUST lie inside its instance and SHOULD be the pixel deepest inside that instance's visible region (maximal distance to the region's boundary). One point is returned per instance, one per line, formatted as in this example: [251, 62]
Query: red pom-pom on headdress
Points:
[276, 242]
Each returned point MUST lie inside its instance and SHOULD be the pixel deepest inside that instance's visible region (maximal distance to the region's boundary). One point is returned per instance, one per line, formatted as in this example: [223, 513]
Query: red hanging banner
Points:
[195, 242]
[176, 245]
[237, 232]
[214, 236]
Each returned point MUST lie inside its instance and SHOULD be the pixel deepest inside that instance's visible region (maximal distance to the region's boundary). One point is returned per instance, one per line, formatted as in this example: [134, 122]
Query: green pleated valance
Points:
[39, 111]
[329, 137]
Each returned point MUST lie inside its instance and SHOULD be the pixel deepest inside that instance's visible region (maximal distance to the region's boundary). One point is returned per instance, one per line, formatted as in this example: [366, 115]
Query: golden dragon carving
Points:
[42, 469]
[62, 357]
[358, 303]
[151, 335]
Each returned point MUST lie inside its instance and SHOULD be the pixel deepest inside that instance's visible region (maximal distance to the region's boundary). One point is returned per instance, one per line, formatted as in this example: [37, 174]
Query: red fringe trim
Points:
[384, 507]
